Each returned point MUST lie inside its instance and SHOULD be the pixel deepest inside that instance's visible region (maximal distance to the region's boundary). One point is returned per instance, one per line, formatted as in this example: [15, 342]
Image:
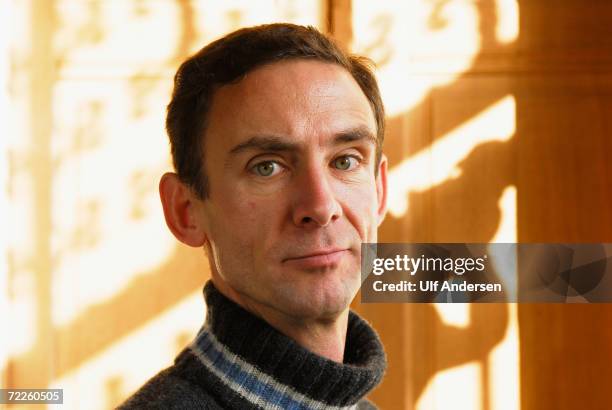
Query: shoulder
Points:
[167, 390]
[365, 404]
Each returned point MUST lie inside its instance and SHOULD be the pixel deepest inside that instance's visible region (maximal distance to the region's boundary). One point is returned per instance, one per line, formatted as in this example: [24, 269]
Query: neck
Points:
[254, 365]
[325, 336]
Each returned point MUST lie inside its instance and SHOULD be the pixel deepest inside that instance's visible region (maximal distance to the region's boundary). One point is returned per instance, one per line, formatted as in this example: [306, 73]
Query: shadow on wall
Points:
[555, 70]
[464, 209]
[461, 209]
[149, 295]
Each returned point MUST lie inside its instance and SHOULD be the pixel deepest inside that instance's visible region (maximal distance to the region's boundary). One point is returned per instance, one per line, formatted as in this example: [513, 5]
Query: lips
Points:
[317, 259]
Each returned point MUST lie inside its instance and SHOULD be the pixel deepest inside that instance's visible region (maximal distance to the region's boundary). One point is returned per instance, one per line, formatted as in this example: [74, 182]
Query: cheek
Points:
[233, 204]
[360, 206]
[247, 223]
[240, 219]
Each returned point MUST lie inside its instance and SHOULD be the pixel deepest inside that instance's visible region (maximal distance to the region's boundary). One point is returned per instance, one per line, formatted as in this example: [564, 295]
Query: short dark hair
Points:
[226, 61]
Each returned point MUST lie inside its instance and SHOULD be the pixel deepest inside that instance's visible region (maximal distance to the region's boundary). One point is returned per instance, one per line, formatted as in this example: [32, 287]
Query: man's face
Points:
[290, 156]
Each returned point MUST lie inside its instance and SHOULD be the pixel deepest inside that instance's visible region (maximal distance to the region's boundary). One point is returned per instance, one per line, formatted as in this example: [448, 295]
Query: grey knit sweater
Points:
[238, 361]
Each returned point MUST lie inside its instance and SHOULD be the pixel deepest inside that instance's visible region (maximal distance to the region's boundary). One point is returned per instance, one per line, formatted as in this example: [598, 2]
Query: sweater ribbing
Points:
[238, 361]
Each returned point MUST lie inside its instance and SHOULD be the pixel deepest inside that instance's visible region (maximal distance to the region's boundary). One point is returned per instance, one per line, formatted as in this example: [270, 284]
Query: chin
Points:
[326, 301]
[316, 311]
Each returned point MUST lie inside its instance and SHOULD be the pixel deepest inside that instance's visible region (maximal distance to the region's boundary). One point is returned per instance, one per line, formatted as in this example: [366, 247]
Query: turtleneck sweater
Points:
[239, 361]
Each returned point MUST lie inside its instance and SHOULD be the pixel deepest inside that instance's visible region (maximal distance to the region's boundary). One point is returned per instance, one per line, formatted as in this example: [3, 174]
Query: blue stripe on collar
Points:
[257, 387]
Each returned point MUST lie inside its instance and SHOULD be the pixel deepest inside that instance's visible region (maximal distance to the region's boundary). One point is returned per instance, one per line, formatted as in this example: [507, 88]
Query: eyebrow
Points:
[264, 143]
[355, 134]
[273, 143]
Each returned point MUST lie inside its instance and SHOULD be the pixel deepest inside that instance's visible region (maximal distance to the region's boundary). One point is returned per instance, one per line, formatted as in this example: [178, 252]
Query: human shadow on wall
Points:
[476, 222]
[461, 209]
[149, 294]
[562, 183]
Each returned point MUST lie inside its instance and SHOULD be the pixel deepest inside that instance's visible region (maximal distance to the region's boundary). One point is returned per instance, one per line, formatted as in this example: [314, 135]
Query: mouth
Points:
[317, 259]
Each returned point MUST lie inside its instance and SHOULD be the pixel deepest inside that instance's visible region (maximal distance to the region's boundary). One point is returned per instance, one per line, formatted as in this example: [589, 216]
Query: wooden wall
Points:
[499, 128]
[557, 70]
[564, 148]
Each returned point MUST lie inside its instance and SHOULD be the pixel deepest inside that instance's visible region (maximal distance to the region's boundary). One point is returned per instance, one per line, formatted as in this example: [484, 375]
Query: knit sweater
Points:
[238, 361]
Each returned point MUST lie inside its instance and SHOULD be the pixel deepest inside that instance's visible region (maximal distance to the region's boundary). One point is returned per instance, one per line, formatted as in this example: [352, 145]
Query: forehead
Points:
[302, 99]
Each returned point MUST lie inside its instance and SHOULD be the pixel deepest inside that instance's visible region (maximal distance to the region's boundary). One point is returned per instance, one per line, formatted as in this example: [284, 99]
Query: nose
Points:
[314, 203]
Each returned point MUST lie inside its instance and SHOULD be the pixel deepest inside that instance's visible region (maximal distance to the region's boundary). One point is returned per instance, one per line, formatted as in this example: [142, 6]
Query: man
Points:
[276, 138]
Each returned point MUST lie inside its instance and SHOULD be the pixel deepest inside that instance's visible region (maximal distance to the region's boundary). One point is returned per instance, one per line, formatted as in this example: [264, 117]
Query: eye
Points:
[345, 162]
[266, 168]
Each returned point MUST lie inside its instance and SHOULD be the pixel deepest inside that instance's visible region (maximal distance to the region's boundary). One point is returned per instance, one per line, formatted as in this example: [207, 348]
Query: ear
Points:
[381, 189]
[181, 206]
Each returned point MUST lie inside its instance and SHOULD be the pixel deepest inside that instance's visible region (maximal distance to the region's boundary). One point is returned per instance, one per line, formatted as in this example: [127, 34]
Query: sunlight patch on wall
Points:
[108, 223]
[113, 374]
[93, 36]
[115, 66]
[107, 69]
[111, 39]
[461, 387]
[507, 232]
[454, 314]
[22, 313]
[17, 196]
[504, 367]
[218, 18]
[458, 388]
[504, 359]
[507, 229]
[508, 21]
[5, 129]
[416, 45]
[440, 161]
